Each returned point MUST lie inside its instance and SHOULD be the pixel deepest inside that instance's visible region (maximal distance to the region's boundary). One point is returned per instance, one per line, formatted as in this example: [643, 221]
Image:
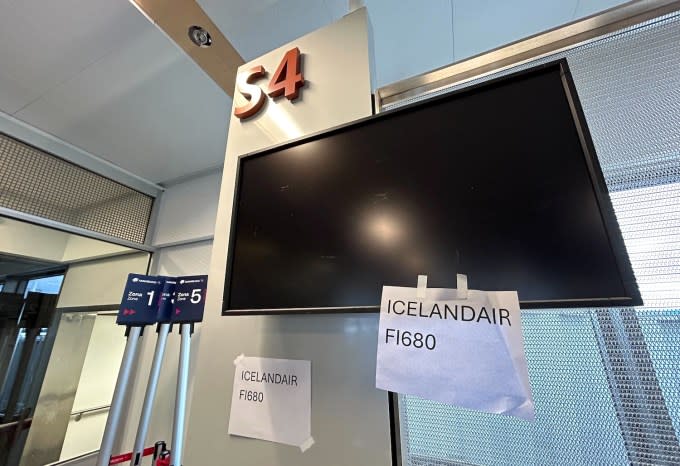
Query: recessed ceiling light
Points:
[200, 36]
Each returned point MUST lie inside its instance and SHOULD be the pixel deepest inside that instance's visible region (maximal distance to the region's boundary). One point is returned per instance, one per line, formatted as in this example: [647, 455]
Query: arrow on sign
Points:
[128, 312]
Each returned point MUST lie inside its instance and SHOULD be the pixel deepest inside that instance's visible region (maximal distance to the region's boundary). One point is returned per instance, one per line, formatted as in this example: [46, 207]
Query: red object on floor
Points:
[125, 457]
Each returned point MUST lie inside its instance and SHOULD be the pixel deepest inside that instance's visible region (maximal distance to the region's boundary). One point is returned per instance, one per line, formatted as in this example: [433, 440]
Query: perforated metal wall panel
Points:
[606, 382]
[41, 184]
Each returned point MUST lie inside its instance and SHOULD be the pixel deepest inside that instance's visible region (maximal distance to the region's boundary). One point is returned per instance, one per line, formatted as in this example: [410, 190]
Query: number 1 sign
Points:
[139, 306]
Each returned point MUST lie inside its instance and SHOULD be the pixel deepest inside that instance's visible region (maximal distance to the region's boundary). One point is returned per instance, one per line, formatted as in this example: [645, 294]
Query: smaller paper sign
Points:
[464, 352]
[189, 299]
[139, 305]
[272, 400]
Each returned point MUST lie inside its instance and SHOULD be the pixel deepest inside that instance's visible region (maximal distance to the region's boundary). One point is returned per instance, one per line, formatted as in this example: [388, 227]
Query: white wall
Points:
[350, 417]
[187, 210]
[350, 421]
[95, 388]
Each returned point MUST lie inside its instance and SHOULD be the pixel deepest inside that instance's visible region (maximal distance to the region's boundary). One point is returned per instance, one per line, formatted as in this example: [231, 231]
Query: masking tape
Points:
[238, 359]
[421, 290]
[461, 286]
[307, 444]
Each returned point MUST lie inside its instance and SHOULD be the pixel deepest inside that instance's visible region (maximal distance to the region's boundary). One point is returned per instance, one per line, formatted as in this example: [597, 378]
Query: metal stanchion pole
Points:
[154, 375]
[122, 384]
[177, 447]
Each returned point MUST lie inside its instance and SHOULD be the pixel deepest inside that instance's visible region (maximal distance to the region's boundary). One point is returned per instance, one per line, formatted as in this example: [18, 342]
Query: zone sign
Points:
[287, 81]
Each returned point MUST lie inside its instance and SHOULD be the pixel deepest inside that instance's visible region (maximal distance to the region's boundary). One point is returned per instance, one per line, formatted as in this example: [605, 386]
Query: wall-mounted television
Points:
[499, 181]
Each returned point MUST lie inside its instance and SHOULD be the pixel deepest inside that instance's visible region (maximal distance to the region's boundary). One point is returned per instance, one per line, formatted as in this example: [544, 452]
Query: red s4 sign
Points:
[287, 81]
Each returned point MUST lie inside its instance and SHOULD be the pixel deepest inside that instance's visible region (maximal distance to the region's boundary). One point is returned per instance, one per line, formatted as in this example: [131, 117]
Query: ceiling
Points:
[98, 75]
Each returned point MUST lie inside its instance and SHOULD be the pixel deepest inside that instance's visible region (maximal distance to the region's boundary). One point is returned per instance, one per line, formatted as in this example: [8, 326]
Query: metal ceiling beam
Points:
[522, 51]
[174, 17]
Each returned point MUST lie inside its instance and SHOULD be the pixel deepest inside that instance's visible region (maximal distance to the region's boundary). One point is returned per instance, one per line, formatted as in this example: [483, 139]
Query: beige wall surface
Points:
[81, 248]
[25, 239]
[350, 420]
[28, 240]
[100, 282]
[95, 388]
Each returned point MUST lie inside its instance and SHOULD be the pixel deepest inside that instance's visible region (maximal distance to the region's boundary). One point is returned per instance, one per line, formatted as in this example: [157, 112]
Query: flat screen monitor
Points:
[499, 181]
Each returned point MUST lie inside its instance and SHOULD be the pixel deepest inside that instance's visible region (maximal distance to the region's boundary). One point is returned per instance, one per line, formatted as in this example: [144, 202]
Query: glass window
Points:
[47, 285]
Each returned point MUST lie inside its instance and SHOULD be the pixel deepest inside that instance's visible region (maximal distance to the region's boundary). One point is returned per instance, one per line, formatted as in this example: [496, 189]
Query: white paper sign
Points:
[464, 352]
[272, 400]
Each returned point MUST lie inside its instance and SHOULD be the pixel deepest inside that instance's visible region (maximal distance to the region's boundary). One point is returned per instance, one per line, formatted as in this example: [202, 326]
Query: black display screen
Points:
[499, 182]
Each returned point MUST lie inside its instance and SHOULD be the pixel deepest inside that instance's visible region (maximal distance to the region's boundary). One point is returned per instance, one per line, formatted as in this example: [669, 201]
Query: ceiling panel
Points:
[45, 43]
[591, 7]
[258, 26]
[339, 8]
[145, 107]
[482, 25]
[13, 94]
[410, 37]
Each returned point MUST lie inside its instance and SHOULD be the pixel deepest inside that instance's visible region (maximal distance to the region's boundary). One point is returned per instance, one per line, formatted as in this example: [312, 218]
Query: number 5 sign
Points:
[287, 81]
[189, 299]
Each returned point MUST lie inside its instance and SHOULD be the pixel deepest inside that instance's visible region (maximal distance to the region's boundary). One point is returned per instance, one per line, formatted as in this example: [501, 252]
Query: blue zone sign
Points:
[167, 305]
[141, 300]
[150, 299]
[190, 298]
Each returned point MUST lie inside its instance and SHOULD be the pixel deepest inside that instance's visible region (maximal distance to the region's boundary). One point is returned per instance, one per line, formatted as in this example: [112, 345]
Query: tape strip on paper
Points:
[238, 359]
[307, 444]
[461, 286]
[421, 290]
